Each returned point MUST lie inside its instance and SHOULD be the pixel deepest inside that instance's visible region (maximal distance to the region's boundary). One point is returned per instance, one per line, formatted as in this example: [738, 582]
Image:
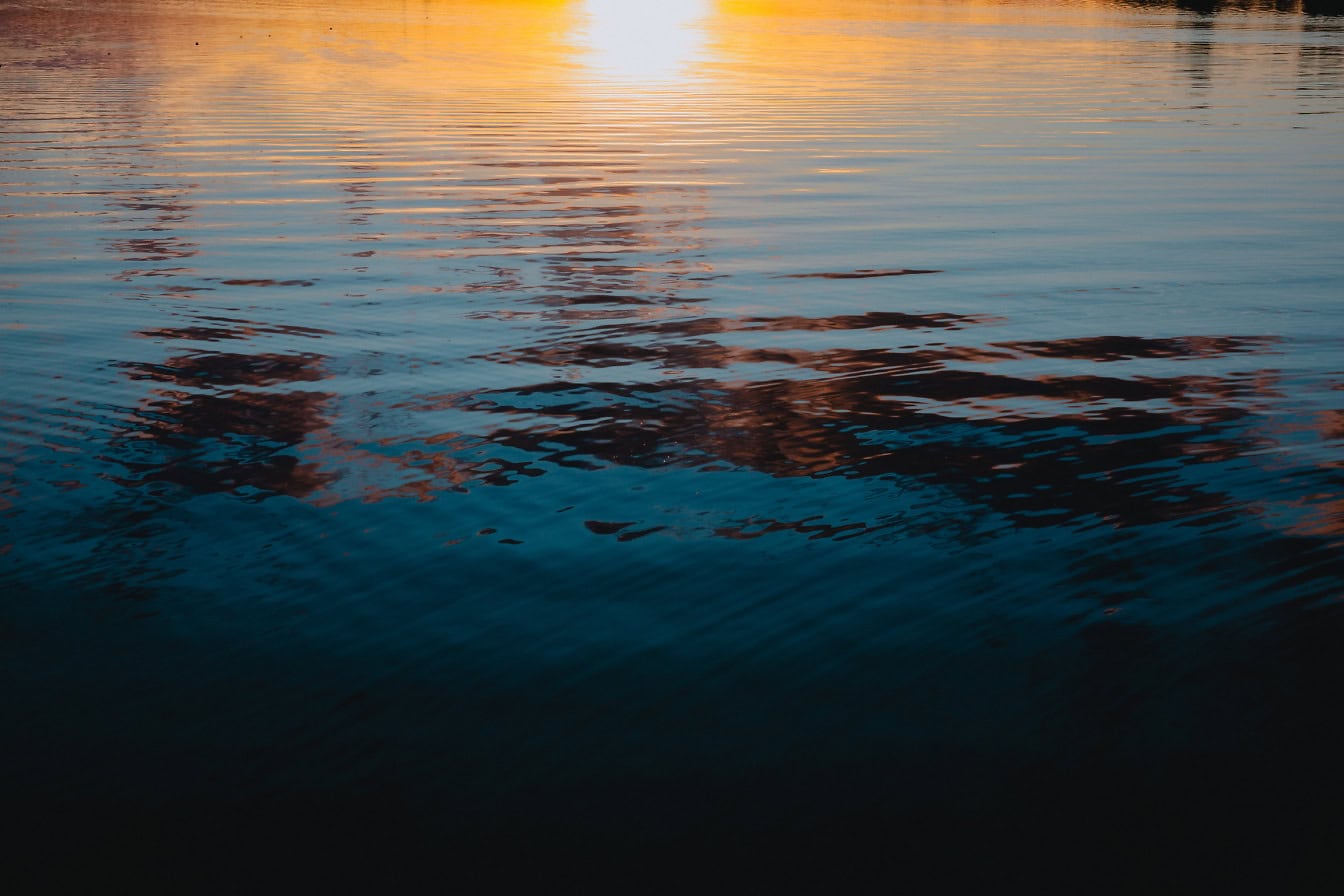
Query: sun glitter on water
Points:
[643, 42]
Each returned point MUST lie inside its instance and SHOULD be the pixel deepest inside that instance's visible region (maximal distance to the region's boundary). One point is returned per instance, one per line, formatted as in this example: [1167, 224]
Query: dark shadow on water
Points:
[225, 421]
[1040, 449]
[1214, 8]
[859, 274]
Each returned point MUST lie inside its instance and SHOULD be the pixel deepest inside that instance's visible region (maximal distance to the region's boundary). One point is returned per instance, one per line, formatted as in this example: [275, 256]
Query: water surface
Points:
[739, 419]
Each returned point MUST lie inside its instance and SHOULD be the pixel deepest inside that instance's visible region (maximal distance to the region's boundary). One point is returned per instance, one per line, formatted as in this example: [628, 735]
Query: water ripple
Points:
[860, 410]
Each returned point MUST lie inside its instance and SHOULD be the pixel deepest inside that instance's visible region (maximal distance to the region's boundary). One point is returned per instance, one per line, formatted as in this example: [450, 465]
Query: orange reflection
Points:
[364, 55]
[517, 145]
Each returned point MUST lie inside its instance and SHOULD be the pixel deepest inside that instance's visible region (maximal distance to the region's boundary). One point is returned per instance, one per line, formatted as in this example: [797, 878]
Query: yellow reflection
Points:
[650, 41]
[373, 56]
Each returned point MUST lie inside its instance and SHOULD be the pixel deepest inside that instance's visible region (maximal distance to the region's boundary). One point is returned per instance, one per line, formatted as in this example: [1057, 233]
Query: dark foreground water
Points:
[805, 429]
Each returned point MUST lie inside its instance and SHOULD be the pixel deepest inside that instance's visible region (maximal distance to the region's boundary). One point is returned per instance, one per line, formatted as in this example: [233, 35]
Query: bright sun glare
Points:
[643, 41]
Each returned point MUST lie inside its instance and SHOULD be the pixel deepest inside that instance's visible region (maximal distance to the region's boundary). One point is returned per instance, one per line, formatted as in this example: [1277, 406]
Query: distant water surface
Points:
[742, 418]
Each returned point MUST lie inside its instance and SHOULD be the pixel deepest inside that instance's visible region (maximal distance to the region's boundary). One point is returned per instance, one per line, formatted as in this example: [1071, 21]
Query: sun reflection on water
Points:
[643, 42]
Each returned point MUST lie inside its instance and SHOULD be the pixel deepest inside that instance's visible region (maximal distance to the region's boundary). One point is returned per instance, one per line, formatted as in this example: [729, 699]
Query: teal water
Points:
[859, 419]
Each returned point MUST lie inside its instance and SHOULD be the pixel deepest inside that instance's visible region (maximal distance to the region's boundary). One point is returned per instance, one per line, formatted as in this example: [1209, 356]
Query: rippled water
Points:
[614, 420]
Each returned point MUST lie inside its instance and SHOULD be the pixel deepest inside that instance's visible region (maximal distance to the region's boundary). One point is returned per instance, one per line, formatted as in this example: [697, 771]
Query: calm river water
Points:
[714, 421]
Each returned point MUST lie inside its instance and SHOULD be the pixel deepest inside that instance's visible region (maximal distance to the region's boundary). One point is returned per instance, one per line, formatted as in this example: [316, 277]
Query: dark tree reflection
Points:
[1041, 449]
[223, 422]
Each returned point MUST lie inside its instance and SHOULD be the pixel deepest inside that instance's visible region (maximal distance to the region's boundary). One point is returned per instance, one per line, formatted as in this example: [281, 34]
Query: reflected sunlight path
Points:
[643, 42]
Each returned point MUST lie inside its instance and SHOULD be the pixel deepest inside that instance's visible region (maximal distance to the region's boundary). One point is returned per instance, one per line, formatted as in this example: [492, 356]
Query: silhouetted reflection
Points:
[219, 369]
[861, 274]
[1323, 7]
[1040, 449]
[1211, 8]
[1200, 7]
[1118, 348]
[216, 329]
[219, 422]
[1321, 70]
[158, 209]
[581, 215]
[158, 249]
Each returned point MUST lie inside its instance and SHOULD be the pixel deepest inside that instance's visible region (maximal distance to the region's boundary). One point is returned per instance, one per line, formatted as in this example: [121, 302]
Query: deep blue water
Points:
[835, 427]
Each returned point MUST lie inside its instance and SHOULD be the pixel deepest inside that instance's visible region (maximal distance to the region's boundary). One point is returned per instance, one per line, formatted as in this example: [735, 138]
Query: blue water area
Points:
[840, 431]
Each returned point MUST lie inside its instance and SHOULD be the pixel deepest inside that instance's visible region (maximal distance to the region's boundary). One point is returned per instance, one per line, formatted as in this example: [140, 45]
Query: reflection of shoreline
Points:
[1044, 450]
[565, 210]
[579, 243]
[224, 422]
